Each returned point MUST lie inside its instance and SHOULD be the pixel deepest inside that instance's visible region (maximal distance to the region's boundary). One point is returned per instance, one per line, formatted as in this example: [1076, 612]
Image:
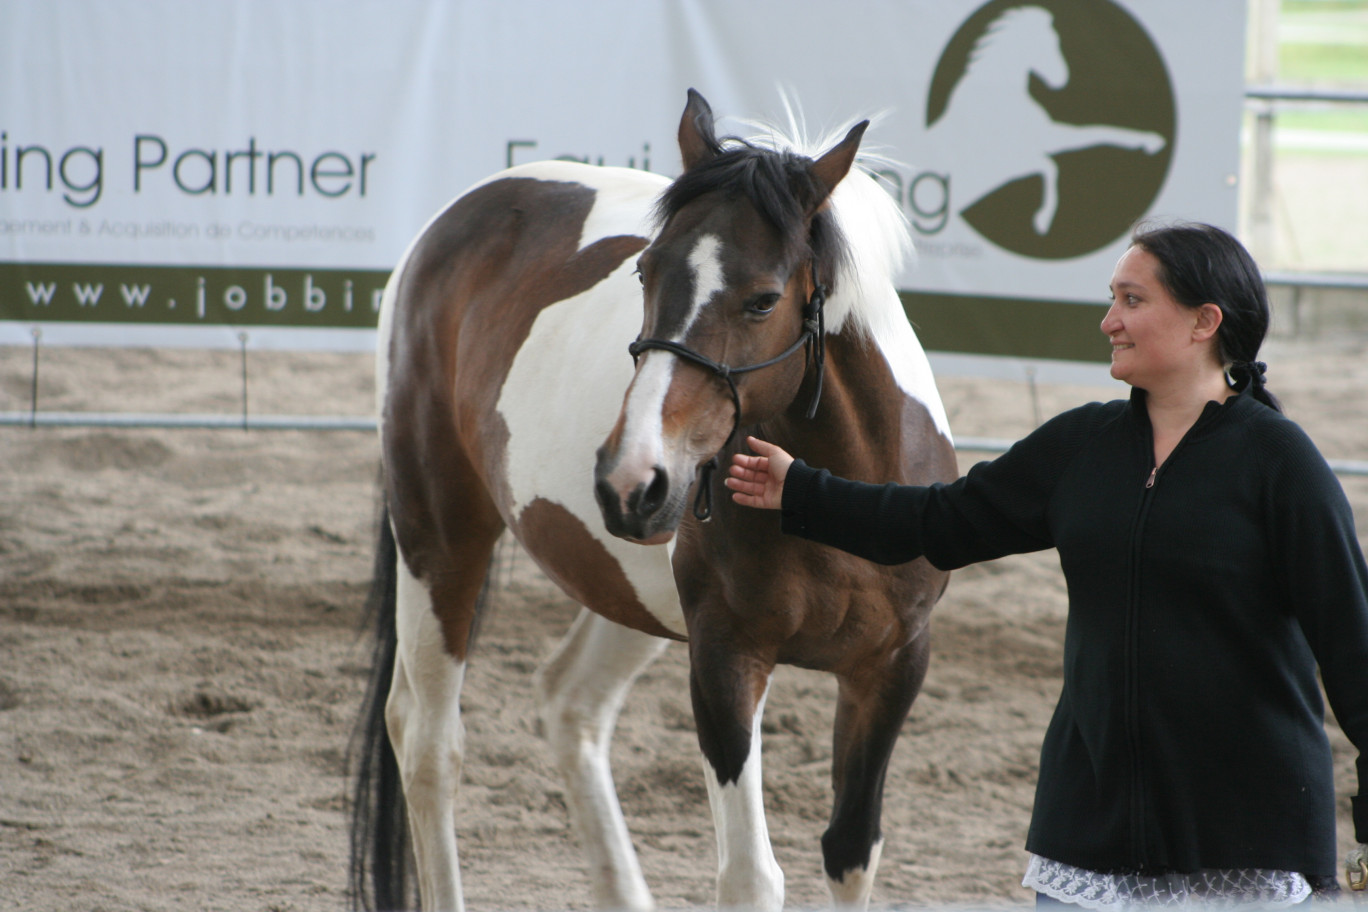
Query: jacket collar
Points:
[1212, 414]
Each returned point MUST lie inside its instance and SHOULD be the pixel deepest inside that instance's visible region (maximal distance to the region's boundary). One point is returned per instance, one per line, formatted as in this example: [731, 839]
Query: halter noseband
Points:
[813, 336]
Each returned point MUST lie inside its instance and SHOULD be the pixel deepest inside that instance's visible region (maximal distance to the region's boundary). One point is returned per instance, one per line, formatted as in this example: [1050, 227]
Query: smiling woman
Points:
[1155, 340]
[1170, 342]
[1212, 565]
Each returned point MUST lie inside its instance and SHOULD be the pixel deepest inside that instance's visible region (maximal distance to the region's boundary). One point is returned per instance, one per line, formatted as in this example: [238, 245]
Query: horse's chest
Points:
[812, 615]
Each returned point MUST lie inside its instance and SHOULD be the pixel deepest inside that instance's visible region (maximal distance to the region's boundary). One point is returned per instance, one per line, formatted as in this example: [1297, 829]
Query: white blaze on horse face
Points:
[706, 263]
[646, 404]
[642, 445]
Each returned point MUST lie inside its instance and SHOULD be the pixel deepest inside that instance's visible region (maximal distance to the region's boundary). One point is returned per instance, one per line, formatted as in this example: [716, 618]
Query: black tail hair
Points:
[380, 842]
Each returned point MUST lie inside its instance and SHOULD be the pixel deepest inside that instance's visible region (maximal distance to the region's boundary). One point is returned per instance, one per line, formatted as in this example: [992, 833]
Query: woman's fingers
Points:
[747, 485]
[742, 463]
[777, 460]
[763, 447]
[748, 500]
[749, 477]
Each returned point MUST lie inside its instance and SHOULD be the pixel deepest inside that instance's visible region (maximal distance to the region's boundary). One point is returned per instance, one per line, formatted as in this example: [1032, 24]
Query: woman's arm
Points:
[876, 522]
[999, 508]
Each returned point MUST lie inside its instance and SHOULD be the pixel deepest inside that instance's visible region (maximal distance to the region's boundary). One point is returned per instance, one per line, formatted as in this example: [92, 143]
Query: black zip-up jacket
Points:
[1202, 597]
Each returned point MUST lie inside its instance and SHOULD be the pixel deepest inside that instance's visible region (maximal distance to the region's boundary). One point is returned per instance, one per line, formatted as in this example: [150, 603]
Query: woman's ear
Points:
[1209, 318]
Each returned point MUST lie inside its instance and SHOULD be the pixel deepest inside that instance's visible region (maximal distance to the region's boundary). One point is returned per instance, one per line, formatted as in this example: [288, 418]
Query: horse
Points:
[992, 100]
[566, 351]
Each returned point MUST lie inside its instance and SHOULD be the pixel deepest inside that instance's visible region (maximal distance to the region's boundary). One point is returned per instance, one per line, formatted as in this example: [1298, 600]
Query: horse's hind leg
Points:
[581, 689]
[869, 715]
[424, 718]
[425, 728]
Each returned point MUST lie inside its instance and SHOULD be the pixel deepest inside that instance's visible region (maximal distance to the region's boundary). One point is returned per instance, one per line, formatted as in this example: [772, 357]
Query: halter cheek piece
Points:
[813, 337]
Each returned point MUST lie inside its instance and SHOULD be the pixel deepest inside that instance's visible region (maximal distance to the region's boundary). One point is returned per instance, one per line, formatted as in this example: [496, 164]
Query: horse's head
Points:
[1032, 29]
[730, 310]
[1020, 41]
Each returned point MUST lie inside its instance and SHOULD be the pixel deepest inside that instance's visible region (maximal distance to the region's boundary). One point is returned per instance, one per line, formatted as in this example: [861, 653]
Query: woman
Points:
[1212, 564]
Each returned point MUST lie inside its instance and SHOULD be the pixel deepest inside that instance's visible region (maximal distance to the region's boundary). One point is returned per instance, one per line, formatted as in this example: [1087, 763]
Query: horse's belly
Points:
[560, 400]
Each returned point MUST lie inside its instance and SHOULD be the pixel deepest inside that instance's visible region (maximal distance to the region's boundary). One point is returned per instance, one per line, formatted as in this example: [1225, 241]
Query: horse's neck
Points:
[860, 404]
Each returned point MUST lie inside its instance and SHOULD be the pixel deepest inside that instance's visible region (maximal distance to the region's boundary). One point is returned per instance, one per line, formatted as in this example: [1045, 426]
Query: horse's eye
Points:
[641, 276]
[762, 304]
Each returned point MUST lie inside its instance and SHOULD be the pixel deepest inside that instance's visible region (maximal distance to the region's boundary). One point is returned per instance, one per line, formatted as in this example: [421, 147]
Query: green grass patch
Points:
[1294, 6]
[1321, 64]
[1344, 118]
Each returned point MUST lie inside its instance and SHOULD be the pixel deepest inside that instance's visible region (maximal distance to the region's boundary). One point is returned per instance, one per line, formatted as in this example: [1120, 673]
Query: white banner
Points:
[180, 173]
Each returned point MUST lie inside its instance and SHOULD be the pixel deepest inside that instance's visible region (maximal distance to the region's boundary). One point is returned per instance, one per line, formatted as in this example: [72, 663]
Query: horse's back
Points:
[506, 360]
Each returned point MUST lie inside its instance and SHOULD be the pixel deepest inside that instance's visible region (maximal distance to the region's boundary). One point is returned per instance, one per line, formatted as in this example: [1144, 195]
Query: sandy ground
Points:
[181, 663]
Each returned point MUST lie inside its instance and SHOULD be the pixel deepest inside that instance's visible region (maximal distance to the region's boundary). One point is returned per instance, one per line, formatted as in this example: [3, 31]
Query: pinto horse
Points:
[769, 308]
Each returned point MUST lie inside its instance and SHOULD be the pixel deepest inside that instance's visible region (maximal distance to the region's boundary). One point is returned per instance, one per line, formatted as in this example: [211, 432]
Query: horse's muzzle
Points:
[645, 511]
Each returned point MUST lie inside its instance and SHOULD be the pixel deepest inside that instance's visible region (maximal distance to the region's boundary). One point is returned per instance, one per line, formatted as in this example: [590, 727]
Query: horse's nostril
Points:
[654, 496]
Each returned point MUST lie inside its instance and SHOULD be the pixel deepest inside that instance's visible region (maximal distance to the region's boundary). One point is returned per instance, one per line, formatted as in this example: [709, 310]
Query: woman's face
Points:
[1153, 337]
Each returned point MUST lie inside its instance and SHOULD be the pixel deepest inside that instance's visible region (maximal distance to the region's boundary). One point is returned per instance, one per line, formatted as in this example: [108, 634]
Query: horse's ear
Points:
[697, 135]
[831, 168]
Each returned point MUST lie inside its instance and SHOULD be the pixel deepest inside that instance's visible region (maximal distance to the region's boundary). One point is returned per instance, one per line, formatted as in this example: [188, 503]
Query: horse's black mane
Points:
[778, 183]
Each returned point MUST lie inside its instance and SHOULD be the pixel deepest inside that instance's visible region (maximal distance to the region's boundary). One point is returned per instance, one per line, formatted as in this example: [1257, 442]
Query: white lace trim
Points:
[1219, 888]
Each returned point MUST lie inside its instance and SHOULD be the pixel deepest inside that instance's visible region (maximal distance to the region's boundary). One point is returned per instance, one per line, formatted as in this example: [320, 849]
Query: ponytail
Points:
[1244, 375]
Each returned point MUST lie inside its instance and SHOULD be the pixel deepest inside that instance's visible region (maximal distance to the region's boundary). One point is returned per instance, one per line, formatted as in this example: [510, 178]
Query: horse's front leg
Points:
[871, 712]
[1044, 216]
[728, 699]
[580, 691]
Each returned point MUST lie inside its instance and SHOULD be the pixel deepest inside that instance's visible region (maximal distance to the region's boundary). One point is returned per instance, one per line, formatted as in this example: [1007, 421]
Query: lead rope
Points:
[814, 322]
[702, 508]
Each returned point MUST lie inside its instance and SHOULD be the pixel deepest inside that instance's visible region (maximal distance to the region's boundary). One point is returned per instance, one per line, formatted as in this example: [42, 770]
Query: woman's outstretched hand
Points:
[758, 481]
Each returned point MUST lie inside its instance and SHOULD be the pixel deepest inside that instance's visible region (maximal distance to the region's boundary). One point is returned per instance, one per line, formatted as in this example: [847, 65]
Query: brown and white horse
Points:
[769, 308]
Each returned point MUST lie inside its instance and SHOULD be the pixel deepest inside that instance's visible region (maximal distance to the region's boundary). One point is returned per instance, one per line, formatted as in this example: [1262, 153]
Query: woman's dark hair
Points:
[1202, 264]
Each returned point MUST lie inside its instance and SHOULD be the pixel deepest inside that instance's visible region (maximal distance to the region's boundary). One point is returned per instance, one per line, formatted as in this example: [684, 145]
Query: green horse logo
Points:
[1065, 115]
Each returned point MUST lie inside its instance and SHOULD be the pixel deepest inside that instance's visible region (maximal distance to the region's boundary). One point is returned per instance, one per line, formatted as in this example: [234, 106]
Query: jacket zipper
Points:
[1139, 848]
[1139, 854]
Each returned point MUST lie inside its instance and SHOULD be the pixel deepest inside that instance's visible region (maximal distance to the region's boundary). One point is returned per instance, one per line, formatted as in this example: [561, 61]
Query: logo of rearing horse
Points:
[1014, 106]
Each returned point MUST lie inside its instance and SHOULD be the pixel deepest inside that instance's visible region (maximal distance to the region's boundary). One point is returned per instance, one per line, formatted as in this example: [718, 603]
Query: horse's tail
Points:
[380, 844]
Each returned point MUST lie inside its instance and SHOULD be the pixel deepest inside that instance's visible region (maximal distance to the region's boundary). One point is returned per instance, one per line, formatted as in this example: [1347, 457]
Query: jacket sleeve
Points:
[1326, 580]
[998, 508]
[876, 522]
